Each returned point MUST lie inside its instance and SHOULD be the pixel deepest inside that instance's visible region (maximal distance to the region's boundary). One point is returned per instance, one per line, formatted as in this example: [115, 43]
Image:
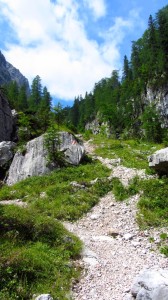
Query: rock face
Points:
[96, 126]
[6, 155]
[9, 73]
[159, 161]
[151, 284]
[6, 120]
[160, 98]
[33, 159]
[6, 152]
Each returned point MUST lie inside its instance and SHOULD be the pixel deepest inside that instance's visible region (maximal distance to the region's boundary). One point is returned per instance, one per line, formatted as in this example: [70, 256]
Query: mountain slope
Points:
[9, 73]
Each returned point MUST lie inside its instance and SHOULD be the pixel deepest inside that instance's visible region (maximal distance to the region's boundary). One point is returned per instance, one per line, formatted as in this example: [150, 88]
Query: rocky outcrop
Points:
[159, 161]
[32, 160]
[6, 120]
[9, 73]
[94, 126]
[6, 152]
[6, 155]
[159, 97]
[97, 126]
[151, 284]
[71, 147]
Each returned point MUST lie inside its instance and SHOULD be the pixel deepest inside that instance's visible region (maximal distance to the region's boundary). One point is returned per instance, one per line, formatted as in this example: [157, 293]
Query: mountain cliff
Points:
[6, 120]
[9, 73]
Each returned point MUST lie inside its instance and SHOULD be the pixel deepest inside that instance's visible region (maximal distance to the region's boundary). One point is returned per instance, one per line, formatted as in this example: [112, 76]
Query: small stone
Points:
[94, 217]
[128, 236]
[135, 244]
[113, 232]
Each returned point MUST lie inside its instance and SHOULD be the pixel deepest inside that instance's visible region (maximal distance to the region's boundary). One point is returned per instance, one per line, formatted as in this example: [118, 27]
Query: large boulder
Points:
[151, 284]
[159, 161]
[32, 160]
[6, 152]
[6, 119]
[6, 155]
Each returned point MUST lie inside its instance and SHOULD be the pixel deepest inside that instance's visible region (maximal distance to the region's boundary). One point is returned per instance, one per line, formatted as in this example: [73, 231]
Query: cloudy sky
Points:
[71, 44]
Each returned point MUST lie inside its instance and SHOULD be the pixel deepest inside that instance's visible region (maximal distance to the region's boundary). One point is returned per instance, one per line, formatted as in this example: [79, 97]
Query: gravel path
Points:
[115, 250]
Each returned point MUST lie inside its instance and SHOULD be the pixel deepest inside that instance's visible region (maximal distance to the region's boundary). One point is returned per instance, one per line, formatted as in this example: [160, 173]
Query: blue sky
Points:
[71, 44]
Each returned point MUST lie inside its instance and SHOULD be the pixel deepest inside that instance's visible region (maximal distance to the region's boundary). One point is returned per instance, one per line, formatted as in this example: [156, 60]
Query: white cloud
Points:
[98, 7]
[53, 43]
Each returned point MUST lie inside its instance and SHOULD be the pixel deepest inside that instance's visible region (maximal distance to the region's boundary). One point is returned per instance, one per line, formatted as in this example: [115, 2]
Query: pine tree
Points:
[36, 93]
[22, 104]
[162, 18]
[46, 99]
[126, 70]
[12, 94]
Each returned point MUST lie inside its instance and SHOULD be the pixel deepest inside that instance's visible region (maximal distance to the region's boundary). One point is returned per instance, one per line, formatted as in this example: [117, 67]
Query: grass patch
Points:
[61, 199]
[36, 250]
[133, 153]
[153, 205]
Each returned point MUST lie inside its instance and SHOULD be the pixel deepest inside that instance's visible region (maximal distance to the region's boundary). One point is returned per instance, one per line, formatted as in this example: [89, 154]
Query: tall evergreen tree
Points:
[36, 93]
[162, 18]
[46, 99]
[12, 93]
[22, 99]
[127, 73]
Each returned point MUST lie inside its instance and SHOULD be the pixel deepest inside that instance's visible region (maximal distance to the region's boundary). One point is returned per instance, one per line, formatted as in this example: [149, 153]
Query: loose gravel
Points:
[115, 250]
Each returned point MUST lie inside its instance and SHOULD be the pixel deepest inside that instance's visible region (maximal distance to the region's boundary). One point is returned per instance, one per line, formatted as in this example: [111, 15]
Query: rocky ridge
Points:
[115, 250]
[9, 73]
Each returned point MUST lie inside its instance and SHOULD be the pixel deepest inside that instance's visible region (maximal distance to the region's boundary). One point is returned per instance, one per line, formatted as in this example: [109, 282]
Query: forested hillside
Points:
[122, 101]
[121, 203]
[33, 108]
[133, 103]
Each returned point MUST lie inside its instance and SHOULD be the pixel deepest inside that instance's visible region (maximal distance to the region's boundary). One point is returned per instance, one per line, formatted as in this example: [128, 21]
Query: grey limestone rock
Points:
[6, 152]
[72, 148]
[159, 161]
[32, 160]
[151, 284]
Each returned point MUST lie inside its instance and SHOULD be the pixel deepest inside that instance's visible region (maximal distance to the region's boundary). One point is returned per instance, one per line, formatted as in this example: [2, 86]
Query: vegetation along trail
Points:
[115, 249]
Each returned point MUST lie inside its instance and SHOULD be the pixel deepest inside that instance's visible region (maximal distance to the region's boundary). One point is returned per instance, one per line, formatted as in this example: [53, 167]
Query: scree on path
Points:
[114, 249]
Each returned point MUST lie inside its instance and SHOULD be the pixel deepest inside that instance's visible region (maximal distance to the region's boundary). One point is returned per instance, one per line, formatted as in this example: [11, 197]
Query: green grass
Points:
[37, 252]
[153, 204]
[62, 200]
[133, 153]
